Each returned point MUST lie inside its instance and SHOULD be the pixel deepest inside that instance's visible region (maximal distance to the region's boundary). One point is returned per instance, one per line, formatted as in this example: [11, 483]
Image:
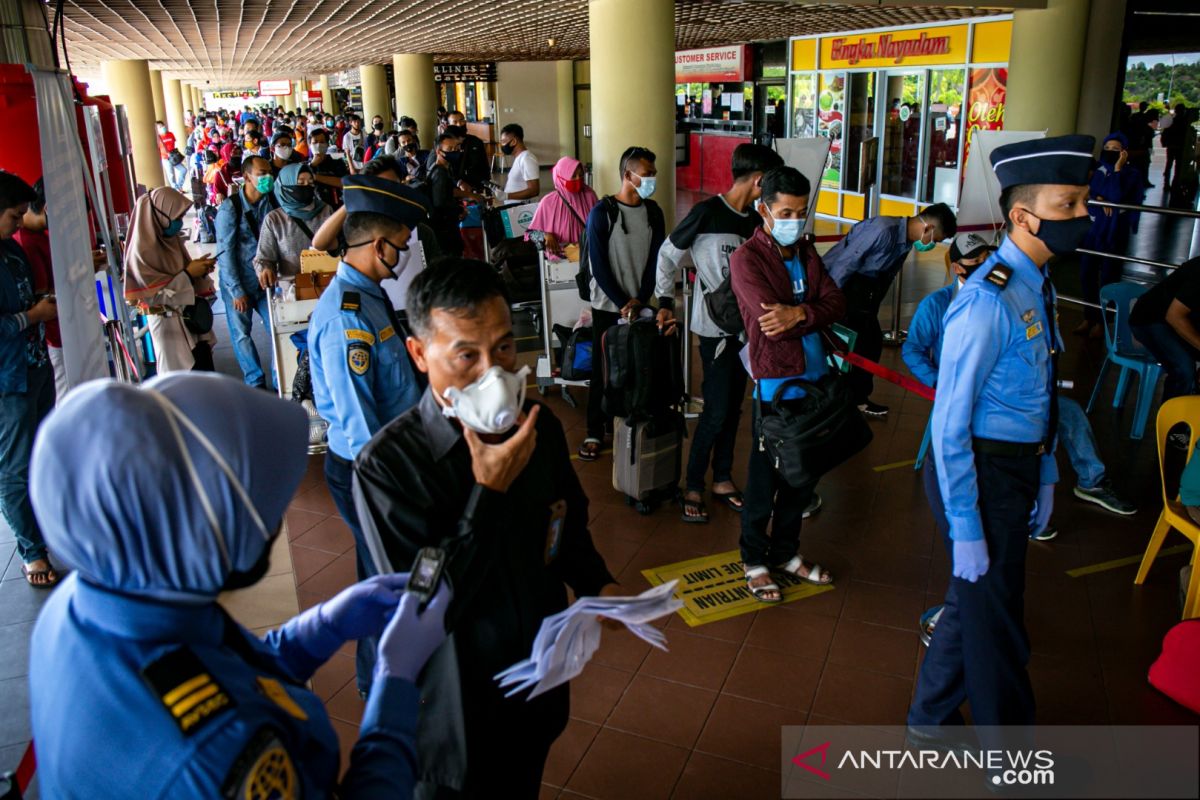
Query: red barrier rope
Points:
[26, 769]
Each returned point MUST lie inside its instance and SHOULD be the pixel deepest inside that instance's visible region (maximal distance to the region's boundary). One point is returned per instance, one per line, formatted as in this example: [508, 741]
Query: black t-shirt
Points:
[1183, 285]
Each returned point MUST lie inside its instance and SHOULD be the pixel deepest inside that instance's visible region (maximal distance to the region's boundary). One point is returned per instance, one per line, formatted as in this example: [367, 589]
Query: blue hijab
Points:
[288, 178]
[112, 489]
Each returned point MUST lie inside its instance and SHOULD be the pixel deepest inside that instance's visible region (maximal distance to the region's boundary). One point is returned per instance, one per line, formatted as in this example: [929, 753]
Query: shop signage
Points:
[313, 97]
[244, 95]
[274, 88]
[942, 45]
[985, 103]
[464, 73]
[712, 64]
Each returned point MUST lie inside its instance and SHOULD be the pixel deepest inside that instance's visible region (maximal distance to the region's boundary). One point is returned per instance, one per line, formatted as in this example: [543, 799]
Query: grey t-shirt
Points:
[628, 251]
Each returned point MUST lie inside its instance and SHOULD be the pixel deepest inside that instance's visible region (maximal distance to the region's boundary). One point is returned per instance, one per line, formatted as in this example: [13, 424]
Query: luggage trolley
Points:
[508, 222]
[287, 317]
[560, 300]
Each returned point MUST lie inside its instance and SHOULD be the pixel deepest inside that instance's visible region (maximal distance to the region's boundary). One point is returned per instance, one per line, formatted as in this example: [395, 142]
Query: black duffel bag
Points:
[807, 437]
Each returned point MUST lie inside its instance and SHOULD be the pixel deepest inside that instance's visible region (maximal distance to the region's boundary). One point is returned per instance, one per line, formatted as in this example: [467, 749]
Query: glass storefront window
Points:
[943, 135]
[860, 124]
[831, 101]
[902, 134]
[804, 105]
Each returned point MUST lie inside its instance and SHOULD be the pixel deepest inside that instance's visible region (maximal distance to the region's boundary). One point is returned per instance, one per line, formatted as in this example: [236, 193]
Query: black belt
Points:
[338, 459]
[994, 447]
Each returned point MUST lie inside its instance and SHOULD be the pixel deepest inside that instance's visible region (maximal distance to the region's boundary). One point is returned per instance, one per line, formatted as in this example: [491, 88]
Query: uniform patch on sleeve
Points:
[183, 684]
[387, 333]
[359, 335]
[262, 771]
[999, 275]
[358, 358]
[279, 695]
[351, 301]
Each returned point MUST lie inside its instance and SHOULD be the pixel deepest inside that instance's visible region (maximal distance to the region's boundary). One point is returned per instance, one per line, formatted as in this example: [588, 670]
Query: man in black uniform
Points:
[512, 517]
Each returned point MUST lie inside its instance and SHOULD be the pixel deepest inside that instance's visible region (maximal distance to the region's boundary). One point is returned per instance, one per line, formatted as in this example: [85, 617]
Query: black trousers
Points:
[769, 499]
[863, 297]
[981, 649]
[724, 390]
[597, 420]
[339, 475]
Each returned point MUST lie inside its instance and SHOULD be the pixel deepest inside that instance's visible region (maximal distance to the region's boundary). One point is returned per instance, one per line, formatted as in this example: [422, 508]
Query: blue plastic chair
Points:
[1127, 354]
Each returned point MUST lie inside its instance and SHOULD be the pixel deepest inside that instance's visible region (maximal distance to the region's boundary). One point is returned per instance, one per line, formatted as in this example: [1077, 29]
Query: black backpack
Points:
[643, 370]
[583, 278]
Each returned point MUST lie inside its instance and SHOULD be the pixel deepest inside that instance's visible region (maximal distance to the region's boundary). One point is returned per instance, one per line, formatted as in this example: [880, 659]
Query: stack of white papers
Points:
[568, 639]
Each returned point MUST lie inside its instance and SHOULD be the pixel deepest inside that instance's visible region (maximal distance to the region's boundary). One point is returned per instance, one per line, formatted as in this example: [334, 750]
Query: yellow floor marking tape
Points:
[1104, 566]
[896, 465]
[714, 587]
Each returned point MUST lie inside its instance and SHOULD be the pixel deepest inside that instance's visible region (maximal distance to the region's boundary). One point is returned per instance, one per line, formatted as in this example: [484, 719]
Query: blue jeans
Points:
[20, 415]
[178, 176]
[1075, 435]
[1177, 357]
[240, 325]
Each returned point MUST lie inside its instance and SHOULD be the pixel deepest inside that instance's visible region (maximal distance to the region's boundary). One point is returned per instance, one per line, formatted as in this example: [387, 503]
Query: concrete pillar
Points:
[156, 92]
[375, 96]
[564, 73]
[416, 93]
[1046, 42]
[299, 90]
[633, 56]
[1098, 90]
[129, 85]
[327, 104]
[173, 96]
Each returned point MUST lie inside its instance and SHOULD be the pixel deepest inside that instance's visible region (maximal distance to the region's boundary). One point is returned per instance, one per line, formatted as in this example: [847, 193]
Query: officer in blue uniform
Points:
[362, 377]
[993, 436]
[140, 684]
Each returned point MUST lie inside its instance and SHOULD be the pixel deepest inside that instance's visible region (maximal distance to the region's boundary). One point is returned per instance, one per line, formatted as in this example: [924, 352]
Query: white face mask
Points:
[282, 152]
[490, 404]
[321, 148]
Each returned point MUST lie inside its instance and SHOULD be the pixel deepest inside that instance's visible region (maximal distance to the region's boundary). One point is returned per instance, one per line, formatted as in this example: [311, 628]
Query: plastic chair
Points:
[1184, 410]
[1126, 354]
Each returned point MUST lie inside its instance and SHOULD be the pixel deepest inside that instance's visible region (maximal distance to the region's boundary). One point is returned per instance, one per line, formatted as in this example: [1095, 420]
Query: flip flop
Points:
[734, 500]
[701, 515]
[48, 583]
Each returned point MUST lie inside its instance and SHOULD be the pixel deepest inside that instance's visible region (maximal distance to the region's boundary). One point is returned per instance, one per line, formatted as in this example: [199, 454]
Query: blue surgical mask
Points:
[264, 183]
[785, 231]
[645, 189]
[173, 227]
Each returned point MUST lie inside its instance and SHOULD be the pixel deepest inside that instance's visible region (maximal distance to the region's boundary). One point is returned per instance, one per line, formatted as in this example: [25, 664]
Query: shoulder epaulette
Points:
[351, 301]
[999, 275]
[188, 690]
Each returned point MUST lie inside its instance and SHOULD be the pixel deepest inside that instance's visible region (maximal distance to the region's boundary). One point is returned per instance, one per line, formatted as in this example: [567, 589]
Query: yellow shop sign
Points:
[940, 45]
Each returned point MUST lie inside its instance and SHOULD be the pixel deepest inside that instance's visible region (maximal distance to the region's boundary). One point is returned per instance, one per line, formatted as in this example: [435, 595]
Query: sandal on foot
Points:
[589, 450]
[734, 500]
[815, 574]
[40, 578]
[699, 513]
[762, 590]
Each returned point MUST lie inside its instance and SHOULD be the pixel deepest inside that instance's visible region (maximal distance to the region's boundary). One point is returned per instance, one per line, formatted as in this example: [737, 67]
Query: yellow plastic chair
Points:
[1184, 410]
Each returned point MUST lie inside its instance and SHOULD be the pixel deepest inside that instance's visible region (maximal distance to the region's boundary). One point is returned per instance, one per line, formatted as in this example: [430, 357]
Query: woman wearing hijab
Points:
[1114, 181]
[288, 230]
[562, 214]
[162, 280]
[141, 685]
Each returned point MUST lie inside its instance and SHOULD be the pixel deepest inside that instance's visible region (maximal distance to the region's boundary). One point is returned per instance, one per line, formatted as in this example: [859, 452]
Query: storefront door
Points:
[900, 153]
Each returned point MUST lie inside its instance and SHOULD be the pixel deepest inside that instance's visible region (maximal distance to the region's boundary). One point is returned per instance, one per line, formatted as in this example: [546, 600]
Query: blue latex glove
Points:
[970, 559]
[360, 610]
[1042, 509]
[411, 637]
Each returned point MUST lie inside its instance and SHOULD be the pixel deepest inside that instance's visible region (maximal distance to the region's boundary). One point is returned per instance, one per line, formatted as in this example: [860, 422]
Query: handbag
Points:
[807, 437]
[198, 317]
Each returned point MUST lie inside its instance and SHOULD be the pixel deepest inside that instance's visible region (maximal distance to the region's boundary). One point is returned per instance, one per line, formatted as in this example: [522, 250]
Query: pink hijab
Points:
[564, 213]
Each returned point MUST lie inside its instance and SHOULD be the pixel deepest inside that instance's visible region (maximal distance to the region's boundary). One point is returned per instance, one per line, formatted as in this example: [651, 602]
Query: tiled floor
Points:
[702, 720]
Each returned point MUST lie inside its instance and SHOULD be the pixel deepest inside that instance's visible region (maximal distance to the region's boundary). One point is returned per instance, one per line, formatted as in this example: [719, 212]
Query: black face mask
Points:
[1110, 157]
[1063, 236]
[302, 195]
[378, 126]
[243, 580]
[410, 148]
[507, 149]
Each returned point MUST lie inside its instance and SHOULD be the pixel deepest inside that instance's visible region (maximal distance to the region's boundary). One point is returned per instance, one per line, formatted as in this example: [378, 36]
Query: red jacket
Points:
[758, 275]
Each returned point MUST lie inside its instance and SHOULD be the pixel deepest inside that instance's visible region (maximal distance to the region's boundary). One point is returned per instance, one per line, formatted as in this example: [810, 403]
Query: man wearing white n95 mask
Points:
[479, 472]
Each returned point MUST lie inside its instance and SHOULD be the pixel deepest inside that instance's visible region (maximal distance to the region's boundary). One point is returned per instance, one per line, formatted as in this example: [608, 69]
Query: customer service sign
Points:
[712, 64]
[935, 45]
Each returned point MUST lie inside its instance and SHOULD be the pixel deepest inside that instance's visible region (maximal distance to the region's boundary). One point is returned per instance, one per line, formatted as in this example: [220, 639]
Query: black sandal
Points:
[590, 449]
[701, 512]
[734, 500]
[40, 578]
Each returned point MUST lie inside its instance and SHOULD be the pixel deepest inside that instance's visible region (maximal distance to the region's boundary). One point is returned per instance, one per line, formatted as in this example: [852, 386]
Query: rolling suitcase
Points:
[648, 459]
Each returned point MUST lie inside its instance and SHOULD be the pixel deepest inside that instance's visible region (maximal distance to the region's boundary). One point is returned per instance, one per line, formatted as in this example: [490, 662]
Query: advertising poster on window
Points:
[831, 101]
[985, 103]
